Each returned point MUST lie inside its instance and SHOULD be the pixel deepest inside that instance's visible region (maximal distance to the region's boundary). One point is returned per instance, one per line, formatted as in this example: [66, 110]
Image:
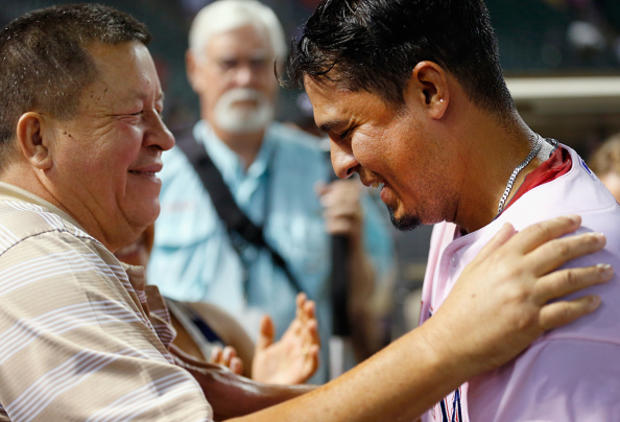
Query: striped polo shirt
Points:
[83, 338]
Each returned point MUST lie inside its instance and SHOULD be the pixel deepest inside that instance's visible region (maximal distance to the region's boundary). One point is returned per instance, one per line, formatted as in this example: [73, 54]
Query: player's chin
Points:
[403, 221]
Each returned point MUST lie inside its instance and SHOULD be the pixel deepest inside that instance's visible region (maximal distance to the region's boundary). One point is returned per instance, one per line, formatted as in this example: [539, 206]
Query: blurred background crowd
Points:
[561, 59]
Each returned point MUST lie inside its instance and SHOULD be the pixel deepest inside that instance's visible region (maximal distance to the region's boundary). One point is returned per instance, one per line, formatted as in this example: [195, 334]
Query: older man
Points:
[272, 172]
[413, 98]
[84, 339]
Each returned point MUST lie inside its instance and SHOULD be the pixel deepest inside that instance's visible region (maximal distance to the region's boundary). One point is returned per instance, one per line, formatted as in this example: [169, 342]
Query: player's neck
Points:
[498, 150]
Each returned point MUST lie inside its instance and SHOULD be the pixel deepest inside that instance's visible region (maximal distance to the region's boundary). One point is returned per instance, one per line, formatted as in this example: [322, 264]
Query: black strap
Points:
[339, 280]
[340, 285]
[227, 209]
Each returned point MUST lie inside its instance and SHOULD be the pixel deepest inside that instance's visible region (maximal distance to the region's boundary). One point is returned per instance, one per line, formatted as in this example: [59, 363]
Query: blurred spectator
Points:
[605, 162]
[277, 176]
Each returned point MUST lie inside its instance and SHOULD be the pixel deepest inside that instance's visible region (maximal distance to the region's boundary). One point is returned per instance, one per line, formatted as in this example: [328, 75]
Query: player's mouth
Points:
[386, 193]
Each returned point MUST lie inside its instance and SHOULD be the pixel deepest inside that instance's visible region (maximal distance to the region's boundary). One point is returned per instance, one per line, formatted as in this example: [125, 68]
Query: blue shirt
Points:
[193, 258]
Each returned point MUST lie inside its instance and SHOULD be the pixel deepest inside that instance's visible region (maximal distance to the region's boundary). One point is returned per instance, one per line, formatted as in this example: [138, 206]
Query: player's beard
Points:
[241, 118]
[404, 223]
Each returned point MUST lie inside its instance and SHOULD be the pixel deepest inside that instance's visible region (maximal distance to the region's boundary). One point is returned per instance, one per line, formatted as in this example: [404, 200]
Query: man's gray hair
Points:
[225, 15]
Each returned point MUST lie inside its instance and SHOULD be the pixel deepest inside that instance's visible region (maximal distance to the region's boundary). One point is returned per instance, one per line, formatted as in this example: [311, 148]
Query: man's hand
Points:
[497, 308]
[500, 303]
[342, 209]
[294, 358]
[230, 394]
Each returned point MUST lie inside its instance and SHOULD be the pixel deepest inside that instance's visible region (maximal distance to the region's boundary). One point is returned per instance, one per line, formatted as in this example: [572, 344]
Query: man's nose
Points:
[158, 134]
[243, 76]
[343, 160]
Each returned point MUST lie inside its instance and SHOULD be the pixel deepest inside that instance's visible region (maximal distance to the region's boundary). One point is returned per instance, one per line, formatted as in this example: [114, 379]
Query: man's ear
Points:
[32, 143]
[429, 86]
[193, 74]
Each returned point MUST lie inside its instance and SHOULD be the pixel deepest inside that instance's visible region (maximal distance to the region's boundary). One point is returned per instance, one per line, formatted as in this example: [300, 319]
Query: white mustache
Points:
[246, 119]
[241, 94]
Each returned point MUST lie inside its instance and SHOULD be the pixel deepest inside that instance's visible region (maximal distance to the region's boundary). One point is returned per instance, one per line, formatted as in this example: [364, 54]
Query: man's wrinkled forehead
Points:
[125, 71]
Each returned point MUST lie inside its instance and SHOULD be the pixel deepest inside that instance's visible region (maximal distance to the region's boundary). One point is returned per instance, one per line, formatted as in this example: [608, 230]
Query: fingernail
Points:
[605, 269]
[600, 237]
[594, 302]
[574, 219]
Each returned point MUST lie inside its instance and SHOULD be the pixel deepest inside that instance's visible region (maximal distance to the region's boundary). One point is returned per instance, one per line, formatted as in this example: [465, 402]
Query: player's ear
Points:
[428, 85]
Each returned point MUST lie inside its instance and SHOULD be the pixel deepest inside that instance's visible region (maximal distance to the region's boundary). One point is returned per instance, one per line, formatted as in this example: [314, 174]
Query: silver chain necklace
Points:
[517, 170]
